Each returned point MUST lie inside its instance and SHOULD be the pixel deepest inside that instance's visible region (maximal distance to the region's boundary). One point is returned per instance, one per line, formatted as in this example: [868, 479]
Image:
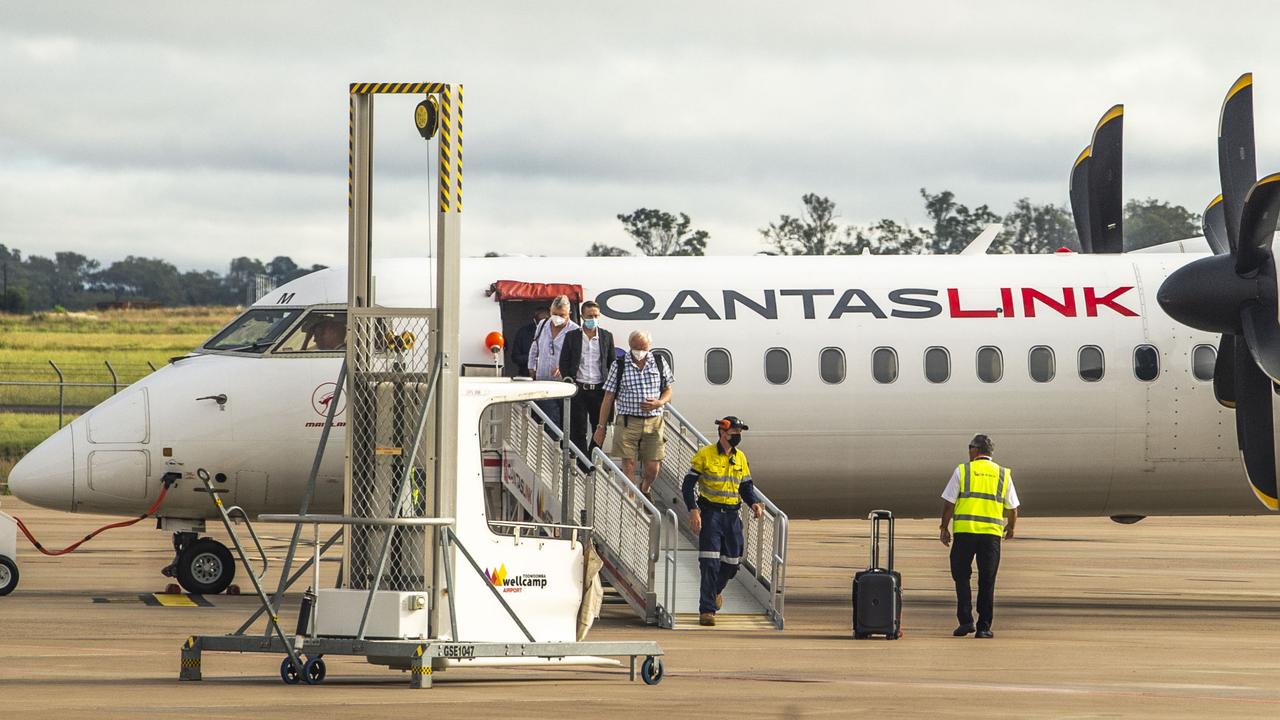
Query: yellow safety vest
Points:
[719, 475]
[984, 486]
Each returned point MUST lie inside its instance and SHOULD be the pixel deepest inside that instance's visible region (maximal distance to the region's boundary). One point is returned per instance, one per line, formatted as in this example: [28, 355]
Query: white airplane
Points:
[862, 377]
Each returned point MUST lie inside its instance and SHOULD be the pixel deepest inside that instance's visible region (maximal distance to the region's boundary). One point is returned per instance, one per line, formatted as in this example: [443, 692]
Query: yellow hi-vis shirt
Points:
[720, 475]
[984, 487]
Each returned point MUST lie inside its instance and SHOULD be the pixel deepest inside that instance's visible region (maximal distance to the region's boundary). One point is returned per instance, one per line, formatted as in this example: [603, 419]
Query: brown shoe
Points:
[708, 619]
[719, 601]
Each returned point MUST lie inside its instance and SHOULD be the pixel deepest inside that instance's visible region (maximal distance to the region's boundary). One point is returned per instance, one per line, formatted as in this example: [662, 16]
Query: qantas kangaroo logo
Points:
[322, 397]
[906, 303]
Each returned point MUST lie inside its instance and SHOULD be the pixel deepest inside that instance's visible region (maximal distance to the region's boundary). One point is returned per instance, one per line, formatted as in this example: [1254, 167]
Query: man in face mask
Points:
[718, 482]
[585, 359]
[544, 354]
[524, 341]
[641, 383]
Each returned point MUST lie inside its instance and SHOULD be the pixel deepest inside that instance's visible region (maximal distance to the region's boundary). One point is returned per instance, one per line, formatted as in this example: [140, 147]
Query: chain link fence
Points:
[66, 389]
[390, 424]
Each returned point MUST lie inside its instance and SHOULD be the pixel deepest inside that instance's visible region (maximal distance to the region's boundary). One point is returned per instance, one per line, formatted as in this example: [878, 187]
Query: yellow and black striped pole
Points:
[446, 150]
[448, 98]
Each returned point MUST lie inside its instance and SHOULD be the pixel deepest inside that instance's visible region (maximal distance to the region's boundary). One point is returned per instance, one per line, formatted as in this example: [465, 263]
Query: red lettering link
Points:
[1066, 308]
[1006, 301]
[953, 296]
[1091, 302]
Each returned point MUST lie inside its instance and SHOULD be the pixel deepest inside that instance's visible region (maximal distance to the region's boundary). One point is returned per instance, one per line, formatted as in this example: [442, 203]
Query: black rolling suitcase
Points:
[877, 591]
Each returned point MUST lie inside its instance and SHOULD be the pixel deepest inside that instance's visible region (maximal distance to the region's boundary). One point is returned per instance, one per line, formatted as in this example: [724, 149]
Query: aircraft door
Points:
[518, 301]
[115, 467]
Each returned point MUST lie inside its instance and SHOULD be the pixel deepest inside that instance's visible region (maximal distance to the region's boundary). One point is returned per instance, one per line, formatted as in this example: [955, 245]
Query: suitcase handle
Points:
[876, 516]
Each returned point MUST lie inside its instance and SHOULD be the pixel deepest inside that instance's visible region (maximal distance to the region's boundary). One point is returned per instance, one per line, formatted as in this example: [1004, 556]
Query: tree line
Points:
[949, 227]
[72, 281]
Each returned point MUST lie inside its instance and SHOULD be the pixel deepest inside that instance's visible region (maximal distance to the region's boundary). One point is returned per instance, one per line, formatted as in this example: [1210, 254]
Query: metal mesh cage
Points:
[390, 433]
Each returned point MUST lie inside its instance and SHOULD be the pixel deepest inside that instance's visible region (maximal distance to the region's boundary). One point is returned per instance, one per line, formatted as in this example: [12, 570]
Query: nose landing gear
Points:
[202, 566]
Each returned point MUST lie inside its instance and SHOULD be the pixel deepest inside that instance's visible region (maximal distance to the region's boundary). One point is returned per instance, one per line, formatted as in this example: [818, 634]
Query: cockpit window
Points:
[254, 331]
[319, 331]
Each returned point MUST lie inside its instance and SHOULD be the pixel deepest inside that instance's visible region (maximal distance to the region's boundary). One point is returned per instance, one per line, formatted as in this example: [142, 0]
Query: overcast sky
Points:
[198, 132]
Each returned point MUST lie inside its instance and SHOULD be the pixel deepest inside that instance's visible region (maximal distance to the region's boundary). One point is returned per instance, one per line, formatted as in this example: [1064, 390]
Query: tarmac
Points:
[1172, 617]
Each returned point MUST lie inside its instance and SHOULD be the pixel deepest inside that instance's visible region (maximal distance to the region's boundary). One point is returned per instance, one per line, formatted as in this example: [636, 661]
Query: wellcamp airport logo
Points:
[514, 583]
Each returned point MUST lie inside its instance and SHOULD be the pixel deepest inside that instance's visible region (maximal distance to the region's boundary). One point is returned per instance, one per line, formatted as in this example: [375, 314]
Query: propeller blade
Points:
[1106, 191]
[1237, 163]
[1262, 333]
[1257, 225]
[1214, 223]
[1255, 425]
[1224, 372]
[1080, 199]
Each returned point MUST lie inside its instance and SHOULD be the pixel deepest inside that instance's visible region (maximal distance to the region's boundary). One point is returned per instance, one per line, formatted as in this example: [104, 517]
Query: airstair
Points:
[649, 553]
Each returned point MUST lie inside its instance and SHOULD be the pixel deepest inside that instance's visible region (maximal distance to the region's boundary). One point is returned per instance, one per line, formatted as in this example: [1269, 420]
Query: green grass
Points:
[80, 343]
[19, 432]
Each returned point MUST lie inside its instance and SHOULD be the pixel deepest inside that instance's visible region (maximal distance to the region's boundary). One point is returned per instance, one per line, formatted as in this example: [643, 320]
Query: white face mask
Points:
[557, 321]
[639, 354]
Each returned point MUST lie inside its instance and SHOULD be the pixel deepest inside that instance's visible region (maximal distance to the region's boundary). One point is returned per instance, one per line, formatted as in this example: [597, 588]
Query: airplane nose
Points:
[45, 476]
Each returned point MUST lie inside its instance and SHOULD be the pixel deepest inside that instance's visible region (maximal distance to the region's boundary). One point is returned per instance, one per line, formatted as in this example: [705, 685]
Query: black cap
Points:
[982, 444]
[733, 423]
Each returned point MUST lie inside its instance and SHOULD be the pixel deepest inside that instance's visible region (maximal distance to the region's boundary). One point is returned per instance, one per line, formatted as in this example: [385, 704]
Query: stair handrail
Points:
[602, 463]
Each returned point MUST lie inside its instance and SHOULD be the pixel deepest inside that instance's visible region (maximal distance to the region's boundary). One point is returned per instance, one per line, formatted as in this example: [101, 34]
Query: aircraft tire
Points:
[8, 575]
[206, 567]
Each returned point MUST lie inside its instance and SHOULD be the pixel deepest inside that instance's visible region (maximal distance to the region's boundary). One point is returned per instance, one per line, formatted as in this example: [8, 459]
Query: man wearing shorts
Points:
[640, 384]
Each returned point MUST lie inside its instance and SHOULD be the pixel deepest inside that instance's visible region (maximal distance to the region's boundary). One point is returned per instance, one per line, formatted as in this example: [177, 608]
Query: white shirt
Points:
[589, 366]
[544, 354]
[952, 490]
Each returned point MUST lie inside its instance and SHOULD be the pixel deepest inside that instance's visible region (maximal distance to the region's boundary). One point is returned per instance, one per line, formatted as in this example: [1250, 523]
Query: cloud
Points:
[200, 132]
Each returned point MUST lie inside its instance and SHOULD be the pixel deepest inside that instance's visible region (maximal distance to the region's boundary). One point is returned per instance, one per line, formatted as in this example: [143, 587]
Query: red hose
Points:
[164, 489]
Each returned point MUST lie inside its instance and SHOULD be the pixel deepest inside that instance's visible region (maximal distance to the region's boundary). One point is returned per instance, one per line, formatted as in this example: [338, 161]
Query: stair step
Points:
[725, 621]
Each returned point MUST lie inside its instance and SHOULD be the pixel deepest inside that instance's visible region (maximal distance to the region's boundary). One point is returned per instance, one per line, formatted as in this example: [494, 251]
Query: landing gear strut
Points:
[202, 565]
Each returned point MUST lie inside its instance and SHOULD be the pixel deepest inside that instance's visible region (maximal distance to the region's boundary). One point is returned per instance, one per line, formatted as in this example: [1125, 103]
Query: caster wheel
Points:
[206, 567]
[314, 671]
[289, 672]
[651, 670]
[8, 575]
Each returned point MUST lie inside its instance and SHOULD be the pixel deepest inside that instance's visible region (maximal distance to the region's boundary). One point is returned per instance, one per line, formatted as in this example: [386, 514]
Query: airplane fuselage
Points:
[838, 364]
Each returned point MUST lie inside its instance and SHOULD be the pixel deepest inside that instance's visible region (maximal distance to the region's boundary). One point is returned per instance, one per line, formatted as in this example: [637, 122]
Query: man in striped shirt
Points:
[640, 384]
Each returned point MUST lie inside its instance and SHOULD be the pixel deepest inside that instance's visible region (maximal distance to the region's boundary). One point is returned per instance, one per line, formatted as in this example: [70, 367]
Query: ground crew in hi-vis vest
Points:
[718, 482]
[980, 508]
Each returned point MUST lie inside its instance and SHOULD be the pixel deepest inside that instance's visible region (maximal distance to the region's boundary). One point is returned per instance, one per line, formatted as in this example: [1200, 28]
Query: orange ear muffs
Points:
[723, 424]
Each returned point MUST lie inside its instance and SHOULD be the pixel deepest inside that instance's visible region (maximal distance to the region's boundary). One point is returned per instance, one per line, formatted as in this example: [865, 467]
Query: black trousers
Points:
[584, 416]
[964, 547]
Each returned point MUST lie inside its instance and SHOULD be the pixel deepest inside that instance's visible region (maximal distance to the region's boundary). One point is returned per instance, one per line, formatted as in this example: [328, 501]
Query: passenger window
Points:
[990, 364]
[937, 365]
[1203, 358]
[668, 361]
[719, 366]
[1091, 363]
[1041, 364]
[884, 365]
[831, 365]
[319, 331]
[1146, 363]
[777, 365]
